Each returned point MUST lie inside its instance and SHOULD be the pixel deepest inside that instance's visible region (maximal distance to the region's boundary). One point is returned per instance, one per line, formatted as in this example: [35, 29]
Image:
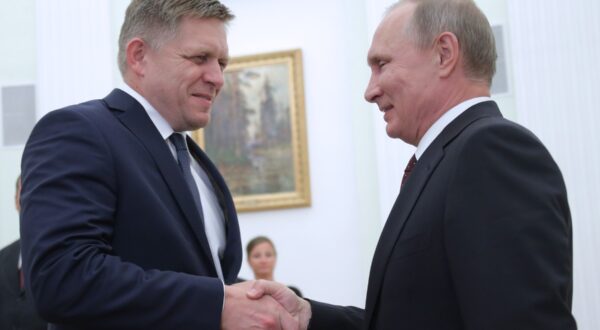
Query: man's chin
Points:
[391, 132]
[198, 123]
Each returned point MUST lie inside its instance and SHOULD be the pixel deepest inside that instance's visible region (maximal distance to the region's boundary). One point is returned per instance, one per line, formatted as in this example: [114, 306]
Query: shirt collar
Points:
[444, 120]
[157, 119]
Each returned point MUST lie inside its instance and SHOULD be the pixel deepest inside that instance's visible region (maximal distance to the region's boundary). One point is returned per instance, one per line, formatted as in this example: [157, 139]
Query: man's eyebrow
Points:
[372, 59]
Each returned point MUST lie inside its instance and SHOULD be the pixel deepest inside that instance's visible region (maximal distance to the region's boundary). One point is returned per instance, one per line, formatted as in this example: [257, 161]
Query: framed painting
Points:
[257, 133]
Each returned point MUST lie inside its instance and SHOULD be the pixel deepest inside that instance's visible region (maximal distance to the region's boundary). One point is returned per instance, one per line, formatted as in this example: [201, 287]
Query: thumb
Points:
[258, 289]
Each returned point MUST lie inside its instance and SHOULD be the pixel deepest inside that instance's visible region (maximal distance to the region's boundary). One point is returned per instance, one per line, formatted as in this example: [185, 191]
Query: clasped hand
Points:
[263, 305]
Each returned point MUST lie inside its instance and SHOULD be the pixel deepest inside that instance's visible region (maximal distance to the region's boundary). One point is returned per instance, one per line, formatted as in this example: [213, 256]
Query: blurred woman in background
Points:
[262, 258]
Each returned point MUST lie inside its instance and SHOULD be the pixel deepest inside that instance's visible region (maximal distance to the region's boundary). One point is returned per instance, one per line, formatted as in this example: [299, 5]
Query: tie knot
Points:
[178, 141]
[411, 164]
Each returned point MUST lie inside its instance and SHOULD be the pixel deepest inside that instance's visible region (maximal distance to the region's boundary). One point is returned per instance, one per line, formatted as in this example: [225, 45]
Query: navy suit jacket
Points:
[111, 236]
[478, 238]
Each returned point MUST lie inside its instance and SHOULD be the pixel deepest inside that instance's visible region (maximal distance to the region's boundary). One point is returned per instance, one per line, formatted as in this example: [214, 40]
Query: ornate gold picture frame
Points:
[257, 133]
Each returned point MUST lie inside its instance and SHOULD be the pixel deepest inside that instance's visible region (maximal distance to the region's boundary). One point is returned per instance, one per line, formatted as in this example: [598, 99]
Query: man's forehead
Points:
[374, 50]
[394, 24]
[384, 34]
[398, 17]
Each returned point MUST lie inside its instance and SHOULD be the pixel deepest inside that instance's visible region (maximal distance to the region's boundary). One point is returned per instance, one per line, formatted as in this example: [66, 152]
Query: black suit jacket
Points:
[16, 308]
[111, 236]
[478, 238]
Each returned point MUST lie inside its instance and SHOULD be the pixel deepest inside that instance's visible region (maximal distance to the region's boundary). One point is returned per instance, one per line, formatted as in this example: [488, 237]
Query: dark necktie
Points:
[409, 167]
[183, 159]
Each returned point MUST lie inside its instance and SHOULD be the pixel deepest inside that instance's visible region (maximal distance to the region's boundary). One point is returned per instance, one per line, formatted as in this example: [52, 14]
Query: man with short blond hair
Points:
[126, 223]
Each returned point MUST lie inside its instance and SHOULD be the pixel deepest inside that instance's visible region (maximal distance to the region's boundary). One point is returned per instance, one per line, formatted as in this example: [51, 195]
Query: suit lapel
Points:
[405, 201]
[133, 116]
[409, 194]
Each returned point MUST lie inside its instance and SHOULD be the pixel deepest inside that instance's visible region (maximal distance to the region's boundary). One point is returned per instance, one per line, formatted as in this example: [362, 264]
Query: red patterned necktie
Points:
[409, 167]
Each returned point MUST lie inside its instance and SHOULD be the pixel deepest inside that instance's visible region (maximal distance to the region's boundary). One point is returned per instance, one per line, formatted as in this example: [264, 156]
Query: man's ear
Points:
[136, 52]
[447, 52]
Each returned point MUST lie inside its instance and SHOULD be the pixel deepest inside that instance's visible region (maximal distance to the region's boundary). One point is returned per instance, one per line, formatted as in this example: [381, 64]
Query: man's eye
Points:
[223, 65]
[197, 59]
[380, 64]
[200, 58]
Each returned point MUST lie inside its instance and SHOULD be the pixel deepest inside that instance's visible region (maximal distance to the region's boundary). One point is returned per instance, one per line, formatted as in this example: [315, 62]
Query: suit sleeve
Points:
[331, 317]
[508, 234]
[69, 205]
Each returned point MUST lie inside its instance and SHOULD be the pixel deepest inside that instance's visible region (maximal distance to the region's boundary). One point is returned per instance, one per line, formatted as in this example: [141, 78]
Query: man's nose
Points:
[373, 91]
[214, 75]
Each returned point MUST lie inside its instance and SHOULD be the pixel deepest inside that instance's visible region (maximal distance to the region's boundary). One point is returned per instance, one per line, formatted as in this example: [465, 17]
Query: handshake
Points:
[263, 305]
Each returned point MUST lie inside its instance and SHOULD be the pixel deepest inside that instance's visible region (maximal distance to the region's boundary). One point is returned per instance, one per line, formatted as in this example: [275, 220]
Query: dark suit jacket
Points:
[111, 236]
[16, 309]
[479, 238]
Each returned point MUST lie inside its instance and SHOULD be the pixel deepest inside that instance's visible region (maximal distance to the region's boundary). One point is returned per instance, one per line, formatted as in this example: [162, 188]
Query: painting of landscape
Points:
[256, 136]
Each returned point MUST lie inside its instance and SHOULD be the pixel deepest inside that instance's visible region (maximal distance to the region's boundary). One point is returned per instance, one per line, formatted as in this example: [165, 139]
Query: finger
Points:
[260, 288]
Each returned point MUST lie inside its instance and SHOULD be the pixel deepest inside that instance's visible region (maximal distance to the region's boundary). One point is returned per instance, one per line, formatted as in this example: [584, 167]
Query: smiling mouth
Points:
[203, 96]
[386, 108]
[386, 113]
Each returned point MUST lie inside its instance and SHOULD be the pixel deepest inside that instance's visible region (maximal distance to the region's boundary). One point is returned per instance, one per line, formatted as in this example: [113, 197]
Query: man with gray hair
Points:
[126, 223]
[480, 234]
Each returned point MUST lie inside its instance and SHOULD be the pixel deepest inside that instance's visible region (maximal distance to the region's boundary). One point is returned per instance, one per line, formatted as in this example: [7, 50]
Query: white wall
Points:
[74, 55]
[17, 46]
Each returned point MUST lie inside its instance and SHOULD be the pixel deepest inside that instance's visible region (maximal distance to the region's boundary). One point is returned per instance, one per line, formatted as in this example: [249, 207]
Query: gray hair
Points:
[156, 21]
[466, 21]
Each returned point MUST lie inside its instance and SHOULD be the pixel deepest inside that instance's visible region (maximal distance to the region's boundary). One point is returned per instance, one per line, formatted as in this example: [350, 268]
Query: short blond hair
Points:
[156, 21]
